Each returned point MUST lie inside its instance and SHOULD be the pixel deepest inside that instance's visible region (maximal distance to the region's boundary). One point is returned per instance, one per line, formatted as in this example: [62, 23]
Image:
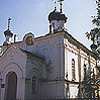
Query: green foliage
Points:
[89, 76]
[96, 19]
[88, 83]
[95, 32]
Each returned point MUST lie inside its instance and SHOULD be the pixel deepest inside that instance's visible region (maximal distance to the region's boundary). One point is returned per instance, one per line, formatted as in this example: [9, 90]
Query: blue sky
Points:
[32, 16]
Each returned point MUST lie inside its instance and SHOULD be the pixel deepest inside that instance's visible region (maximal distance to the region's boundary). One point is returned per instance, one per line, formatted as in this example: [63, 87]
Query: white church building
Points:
[49, 67]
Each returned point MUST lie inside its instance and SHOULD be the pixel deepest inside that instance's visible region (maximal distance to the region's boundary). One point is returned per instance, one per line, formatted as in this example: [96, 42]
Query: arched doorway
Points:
[11, 86]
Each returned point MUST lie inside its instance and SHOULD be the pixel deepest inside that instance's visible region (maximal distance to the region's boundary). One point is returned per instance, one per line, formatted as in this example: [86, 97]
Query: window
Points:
[73, 69]
[85, 68]
[67, 91]
[34, 85]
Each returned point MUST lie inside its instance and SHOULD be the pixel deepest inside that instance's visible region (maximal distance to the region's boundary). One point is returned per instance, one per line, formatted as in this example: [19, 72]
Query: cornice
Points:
[79, 45]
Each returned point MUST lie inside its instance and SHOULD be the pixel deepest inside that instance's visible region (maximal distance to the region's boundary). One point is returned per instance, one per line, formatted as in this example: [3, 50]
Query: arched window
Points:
[73, 69]
[34, 84]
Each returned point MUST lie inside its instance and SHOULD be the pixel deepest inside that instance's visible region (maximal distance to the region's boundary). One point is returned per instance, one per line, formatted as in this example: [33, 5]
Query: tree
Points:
[89, 82]
[94, 33]
[87, 87]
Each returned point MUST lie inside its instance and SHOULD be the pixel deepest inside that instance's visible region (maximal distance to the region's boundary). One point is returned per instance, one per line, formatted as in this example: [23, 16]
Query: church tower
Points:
[8, 34]
[57, 19]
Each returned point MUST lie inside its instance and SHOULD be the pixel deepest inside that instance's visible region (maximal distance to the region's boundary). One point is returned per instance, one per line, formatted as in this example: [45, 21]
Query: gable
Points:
[12, 54]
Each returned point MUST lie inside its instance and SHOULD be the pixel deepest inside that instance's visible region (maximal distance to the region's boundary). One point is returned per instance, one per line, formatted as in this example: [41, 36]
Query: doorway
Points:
[11, 86]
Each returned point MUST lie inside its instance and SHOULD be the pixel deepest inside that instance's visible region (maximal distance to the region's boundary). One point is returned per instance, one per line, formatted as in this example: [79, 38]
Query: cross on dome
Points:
[9, 22]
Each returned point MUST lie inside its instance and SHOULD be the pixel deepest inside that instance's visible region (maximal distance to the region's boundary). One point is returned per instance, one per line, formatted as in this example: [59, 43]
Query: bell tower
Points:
[57, 19]
[8, 34]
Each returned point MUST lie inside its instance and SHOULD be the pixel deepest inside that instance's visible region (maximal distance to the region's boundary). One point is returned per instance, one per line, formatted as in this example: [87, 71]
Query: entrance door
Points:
[11, 86]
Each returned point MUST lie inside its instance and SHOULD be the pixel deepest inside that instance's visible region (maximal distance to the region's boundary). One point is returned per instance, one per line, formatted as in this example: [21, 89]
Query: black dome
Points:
[57, 16]
[8, 33]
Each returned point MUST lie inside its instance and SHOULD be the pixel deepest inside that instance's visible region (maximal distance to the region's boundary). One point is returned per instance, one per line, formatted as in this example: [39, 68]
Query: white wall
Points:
[13, 60]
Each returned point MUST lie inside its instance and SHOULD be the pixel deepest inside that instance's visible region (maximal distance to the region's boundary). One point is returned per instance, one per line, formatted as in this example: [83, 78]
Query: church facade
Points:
[49, 67]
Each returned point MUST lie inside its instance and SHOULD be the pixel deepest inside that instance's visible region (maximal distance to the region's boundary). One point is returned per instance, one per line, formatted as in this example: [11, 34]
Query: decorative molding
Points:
[12, 63]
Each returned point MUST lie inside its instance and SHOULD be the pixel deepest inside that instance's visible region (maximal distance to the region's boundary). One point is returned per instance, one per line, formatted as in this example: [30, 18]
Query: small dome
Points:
[56, 16]
[8, 33]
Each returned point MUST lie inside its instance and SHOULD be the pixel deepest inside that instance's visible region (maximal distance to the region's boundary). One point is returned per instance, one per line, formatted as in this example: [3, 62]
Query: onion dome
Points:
[57, 16]
[8, 33]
